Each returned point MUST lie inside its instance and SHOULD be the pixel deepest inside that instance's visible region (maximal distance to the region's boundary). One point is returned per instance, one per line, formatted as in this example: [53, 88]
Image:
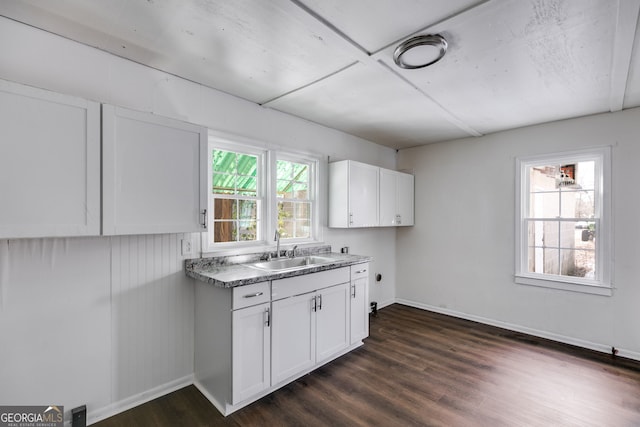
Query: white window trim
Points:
[603, 284]
[268, 155]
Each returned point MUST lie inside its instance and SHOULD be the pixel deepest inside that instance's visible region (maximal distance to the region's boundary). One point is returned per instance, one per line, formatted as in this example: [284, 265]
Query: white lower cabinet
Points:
[359, 300]
[308, 329]
[251, 340]
[332, 321]
[293, 336]
[251, 351]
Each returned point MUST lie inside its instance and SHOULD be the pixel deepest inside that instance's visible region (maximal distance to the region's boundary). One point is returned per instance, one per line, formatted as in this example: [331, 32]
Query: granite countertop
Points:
[232, 271]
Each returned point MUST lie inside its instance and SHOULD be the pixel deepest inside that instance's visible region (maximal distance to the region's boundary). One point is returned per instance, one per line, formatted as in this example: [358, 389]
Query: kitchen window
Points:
[236, 196]
[563, 221]
[294, 186]
[255, 192]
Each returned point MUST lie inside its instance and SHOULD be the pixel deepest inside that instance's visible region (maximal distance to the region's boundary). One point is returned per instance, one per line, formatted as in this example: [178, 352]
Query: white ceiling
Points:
[509, 63]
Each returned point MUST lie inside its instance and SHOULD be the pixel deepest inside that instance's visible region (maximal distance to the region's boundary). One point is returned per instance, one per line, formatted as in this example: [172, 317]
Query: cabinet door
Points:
[154, 174]
[363, 195]
[49, 163]
[251, 351]
[404, 197]
[388, 197]
[292, 336]
[359, 298]
[332, 321]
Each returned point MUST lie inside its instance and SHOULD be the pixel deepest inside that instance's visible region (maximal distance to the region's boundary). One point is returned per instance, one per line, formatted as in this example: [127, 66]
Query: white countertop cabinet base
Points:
[251, 340]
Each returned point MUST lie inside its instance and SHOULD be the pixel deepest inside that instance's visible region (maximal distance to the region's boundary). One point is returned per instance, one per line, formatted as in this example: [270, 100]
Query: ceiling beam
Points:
[626, 26]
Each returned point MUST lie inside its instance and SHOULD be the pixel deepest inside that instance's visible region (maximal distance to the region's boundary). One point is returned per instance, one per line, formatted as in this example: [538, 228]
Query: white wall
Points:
[459, 258]
[114, 318]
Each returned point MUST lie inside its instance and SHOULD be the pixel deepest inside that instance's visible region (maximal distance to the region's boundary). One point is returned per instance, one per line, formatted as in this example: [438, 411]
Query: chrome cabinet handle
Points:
[257, 294]
[204, 218]
[353, 294]
[314, 307]
[361, 271]
[320, 299]
[350, 219]
[268, 314]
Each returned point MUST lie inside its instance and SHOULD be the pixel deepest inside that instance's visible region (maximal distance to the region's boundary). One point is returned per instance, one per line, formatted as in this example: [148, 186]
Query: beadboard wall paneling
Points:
[152, 313]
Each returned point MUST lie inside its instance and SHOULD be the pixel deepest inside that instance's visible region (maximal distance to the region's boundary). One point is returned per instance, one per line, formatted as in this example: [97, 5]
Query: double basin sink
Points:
[288, 264]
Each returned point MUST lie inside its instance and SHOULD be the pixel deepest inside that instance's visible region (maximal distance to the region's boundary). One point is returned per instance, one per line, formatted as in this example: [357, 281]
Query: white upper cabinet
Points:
[49, 163]
[353, 194]
[396, 198]
[154, 174]
[362, 195]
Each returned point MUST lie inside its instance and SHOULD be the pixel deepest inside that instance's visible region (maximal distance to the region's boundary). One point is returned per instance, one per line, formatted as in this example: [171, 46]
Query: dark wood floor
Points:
[420, 369]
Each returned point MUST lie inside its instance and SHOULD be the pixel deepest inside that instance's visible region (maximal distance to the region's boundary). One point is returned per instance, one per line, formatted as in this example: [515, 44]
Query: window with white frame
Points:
[563, 233]
[294, 198]
[236, 196]
[256, 192]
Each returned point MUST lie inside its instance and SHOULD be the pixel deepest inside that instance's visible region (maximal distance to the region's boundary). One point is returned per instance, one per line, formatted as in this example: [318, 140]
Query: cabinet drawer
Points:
[359, 270]
[248, 295]
[284, 288]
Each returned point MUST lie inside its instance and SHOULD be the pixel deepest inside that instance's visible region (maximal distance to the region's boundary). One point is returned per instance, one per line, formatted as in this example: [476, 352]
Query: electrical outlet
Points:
[187, 248]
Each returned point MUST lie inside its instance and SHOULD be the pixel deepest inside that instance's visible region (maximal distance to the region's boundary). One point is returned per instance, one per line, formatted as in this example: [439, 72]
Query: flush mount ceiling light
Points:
[420, 51]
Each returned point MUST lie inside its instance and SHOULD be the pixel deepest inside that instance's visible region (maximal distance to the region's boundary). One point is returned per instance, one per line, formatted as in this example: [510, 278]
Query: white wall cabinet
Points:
[359, 302]
[154, 173]
[396, 198]
[49, 163]
[353, 194]
[362, 195]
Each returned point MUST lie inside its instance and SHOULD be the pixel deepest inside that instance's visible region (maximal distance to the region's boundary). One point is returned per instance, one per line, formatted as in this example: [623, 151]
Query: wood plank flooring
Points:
[424, 369]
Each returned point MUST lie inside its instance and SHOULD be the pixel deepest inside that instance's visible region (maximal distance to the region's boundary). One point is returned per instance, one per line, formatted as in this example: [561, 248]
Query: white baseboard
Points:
[603, 348]
[93, 416]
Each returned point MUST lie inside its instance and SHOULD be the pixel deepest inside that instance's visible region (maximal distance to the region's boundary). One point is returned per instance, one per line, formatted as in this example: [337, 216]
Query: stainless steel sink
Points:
[291, 263]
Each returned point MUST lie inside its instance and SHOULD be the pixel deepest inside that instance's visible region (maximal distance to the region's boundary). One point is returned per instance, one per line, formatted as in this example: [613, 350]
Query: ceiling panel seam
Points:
[626, 27]
[446, 20]
[272, 100]
[451, 118]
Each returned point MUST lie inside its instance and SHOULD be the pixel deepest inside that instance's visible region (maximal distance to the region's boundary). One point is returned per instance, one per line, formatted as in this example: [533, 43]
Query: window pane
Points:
[300, 190]
[284, 170]
[285, 210]
[300, 172]
[248, 230]
[544, 260]
[248, 209]
[286, 229]
[544, 234]
[247, 186]
[224, 184]
[302, 229]
[224, 161]
[224, 209]
[543, 178]
[224, 231]
[545, 205]
[302, 211]
[584, 204]
[285, 189]
[585, 175]
[247, 165]
[579, 263]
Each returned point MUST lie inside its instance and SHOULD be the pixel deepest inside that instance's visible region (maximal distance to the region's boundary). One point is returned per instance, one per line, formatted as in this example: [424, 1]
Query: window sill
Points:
[574, 286]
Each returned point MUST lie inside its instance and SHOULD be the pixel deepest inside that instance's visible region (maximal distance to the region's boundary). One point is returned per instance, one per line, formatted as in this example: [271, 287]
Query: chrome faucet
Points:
[277, 240]
[292, 253]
